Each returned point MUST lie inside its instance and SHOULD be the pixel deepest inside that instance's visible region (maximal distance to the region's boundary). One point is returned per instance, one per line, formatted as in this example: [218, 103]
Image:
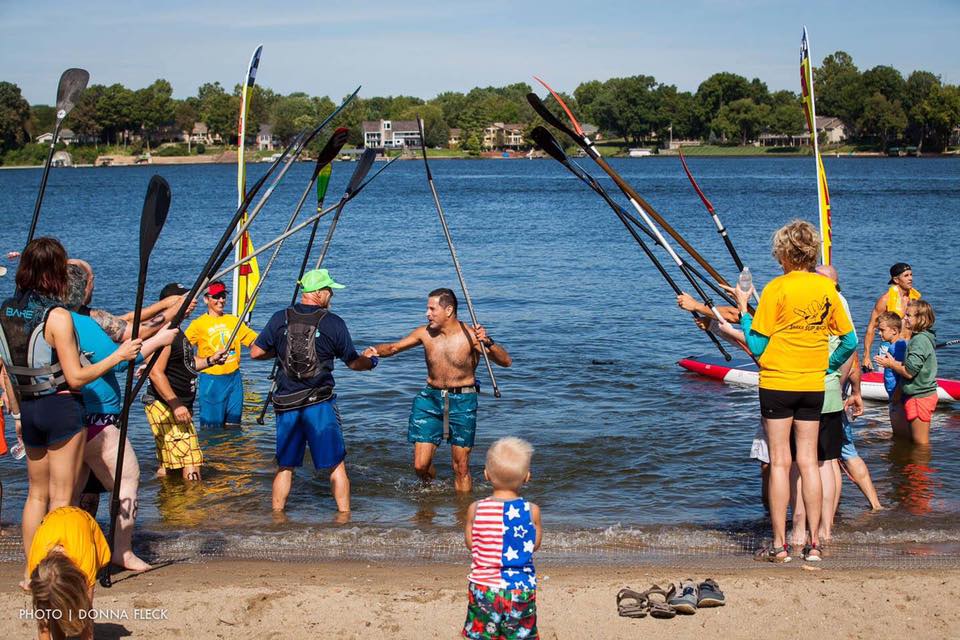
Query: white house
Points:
[266, 141]
[390, 134]
[67, 137]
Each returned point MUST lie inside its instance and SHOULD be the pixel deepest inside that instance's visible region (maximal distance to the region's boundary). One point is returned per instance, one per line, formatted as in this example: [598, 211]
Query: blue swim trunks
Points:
[849, 449]
[317, 425]
[221, 399]
[434, 407]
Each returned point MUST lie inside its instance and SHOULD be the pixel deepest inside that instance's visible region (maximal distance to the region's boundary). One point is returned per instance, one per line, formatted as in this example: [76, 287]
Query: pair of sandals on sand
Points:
[781, 555]
[660, 603]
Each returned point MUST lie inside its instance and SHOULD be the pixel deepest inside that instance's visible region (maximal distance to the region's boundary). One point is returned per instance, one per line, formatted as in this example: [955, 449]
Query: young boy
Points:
[891, 327]
[502, 533]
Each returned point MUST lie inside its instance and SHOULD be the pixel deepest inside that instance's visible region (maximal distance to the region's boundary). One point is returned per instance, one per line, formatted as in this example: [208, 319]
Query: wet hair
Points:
[447, 298]
[924, 318]
[77, 280]
[508, 462]
[43, 268]
[797, 245]
[57, 584]
[890, 319]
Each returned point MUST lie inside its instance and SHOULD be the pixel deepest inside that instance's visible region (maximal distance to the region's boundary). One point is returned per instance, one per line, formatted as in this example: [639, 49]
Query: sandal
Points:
[637, 608]
[661, 609]
[811, 553]
[772, 554]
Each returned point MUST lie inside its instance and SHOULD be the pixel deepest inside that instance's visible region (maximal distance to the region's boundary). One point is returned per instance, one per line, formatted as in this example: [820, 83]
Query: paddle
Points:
[216, 257]
[72, 83]
[948, 343]
[326, 156]
[641, 205]
[453, 254]
[156, 204]
[549, 144]
[363, 168]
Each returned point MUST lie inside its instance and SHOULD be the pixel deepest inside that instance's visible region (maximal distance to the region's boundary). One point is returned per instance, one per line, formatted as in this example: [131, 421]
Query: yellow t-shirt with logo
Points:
[798, 312]
[78, 534]
[210, 333]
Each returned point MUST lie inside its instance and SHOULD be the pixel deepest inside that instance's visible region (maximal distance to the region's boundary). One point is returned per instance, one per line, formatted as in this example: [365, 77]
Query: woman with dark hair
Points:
[789, 335]
[39, 349]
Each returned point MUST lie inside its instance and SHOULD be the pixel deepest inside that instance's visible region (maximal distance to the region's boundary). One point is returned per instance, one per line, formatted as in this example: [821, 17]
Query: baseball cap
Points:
[318, 279]
[216, 288]
[173, 289]
[898, 269]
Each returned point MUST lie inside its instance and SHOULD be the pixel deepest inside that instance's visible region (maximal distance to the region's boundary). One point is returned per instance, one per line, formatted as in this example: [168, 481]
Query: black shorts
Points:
[829, 438]
[799, 405]
[51, 419]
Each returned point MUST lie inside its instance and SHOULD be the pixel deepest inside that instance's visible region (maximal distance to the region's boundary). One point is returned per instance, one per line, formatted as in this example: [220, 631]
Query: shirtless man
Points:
[901, 292]
[447, 406]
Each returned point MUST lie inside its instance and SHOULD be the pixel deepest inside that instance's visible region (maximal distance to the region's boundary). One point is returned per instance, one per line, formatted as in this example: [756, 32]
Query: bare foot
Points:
[161, 473]
[131, 562]
[25, 585]
[342, 517]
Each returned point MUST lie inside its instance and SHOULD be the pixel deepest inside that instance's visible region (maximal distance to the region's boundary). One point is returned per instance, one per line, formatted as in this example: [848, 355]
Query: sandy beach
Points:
[235, 600]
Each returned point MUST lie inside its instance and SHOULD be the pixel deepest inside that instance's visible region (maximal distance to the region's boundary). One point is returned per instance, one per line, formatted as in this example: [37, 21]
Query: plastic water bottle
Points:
[17, 450]
[745, 283]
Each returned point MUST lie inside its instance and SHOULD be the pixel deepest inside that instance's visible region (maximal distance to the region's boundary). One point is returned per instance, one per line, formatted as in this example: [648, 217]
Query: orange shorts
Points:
[920, 407]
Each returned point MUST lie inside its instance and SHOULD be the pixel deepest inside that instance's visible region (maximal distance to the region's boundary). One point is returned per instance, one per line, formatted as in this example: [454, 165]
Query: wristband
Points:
[492, 342]
[375, 360]
[208, 362]
[15, 416]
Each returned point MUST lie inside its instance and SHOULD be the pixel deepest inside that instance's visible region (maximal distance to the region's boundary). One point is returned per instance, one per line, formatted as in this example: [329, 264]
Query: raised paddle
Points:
[217, 257]
[549, 144]
[641, 205]
[453, 254]
[72, 83]
[156, 204]
[326, 156]
[363, 168]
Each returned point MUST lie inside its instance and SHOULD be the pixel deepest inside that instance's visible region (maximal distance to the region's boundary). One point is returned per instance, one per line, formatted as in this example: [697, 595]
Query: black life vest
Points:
[32, 364]
[301, 362]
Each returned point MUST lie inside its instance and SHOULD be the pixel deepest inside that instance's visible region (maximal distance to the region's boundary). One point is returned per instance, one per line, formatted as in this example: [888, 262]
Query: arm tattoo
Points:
[155, 321]
[113, 326]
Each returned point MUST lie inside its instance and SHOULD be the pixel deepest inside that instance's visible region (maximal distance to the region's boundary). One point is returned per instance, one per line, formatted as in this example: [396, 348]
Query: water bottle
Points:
[17, 450]
[745, 283]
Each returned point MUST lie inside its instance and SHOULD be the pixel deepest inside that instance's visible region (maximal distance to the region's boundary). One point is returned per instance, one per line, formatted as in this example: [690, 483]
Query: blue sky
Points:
[423, 47]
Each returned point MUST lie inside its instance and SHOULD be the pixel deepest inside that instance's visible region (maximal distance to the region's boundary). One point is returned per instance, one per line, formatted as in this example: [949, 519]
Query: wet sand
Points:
[229, 599]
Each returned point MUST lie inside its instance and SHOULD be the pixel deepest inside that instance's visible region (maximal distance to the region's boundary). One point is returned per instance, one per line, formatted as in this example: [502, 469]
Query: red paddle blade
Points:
[700, 193]
[563, 105]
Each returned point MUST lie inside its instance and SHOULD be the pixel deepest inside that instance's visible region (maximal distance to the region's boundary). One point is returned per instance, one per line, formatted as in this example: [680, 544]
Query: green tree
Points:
[436, 133]
[83, 119]
[218, 110]
[452, 103]
[43, 118]
[882, 118]
[839, 91]
[14, 117]
[717, 91]
[115, 111]
[744, 118]
[186, 114]
[292, 114]
[884, 80]
[154, 107]
[628, 106]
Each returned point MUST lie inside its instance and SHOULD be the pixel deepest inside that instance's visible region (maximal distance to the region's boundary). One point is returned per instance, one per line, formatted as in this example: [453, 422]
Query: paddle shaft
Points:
[43, 181]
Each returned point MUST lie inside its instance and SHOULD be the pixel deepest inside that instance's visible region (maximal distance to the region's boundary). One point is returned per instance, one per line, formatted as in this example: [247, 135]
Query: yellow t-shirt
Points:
[798, 312]
[210, 334]
[78, 533]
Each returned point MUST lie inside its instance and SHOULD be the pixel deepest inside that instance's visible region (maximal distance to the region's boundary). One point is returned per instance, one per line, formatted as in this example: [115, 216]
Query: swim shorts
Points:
[51, 419]
[177, 444]
[500, 613]
[221, 399]
[849, 449]
[317, 424]
[433, 409]
[830, 438]
[921, 407]
[799, 405]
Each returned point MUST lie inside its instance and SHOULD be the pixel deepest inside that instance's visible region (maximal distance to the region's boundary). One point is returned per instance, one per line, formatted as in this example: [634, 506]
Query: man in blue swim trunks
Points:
[447, 407]
[305, 338]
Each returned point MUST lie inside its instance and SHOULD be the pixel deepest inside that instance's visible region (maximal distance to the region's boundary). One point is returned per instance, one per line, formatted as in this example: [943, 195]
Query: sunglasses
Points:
[219, 296]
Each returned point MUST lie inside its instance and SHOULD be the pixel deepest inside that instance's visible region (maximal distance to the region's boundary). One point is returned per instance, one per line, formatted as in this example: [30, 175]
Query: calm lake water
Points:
[630, 450]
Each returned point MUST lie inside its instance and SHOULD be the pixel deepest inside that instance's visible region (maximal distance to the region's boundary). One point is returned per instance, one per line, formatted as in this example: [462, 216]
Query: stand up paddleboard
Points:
[746, 373]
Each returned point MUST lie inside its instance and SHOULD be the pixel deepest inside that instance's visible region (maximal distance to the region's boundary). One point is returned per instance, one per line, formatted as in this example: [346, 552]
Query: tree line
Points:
[878, 106]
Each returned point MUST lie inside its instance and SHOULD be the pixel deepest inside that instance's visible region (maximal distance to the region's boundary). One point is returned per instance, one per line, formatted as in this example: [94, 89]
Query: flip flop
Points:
[637, 608]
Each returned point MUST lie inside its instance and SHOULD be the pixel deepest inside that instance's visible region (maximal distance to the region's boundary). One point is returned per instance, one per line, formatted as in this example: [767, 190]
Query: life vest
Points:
[32, 364]
[301, 362]
[895, 303]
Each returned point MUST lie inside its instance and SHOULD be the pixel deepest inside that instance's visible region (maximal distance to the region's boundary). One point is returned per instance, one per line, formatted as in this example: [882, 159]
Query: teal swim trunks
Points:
[439, 414]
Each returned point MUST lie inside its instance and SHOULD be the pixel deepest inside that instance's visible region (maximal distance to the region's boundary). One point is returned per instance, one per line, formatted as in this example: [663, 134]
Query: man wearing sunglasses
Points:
[220, 387]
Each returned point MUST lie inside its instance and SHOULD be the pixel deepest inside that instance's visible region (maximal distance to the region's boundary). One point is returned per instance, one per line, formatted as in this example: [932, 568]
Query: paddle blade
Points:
[156, 204]
[563, 105]
[693, 181]
[548, 115]
[332, 148]
[549, 144]
[323, 181]
[363, 168]
[72, 84]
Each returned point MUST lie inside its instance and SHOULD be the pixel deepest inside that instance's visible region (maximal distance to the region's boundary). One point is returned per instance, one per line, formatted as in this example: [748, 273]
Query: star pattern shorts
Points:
[500, 613]
[177, 444]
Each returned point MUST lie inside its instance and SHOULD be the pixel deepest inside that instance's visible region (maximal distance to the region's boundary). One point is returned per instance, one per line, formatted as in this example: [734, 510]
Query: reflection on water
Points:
[912, 476]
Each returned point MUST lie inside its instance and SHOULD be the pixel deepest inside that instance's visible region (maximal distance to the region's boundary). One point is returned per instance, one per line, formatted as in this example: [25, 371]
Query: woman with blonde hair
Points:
[789, 335]
[918, 371]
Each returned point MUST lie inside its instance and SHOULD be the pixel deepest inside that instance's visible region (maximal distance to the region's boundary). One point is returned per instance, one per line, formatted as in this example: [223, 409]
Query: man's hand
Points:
[182, 415]
[481, 334]
[370, 352]
[702, 322]
[854, 402]
[219, 357]
[686, 302]
[867, 365]
[129, 349]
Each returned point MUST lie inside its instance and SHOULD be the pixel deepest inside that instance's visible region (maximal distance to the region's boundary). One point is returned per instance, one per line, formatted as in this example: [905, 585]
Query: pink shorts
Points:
[920, 407]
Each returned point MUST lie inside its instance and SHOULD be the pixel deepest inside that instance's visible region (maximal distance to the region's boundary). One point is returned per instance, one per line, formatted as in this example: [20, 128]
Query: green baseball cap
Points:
[318, 279]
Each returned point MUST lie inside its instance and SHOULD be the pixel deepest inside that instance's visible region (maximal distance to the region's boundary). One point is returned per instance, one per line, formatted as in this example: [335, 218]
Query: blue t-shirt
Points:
[899, 351]
[332, 341]
[103, 395]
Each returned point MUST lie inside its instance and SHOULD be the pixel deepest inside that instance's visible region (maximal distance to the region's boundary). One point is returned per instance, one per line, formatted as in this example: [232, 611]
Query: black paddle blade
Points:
[549, 144]
[423, 147]
[156, 204]
[363, 168]
[549, 116]
[332, 148]
[72, 84]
